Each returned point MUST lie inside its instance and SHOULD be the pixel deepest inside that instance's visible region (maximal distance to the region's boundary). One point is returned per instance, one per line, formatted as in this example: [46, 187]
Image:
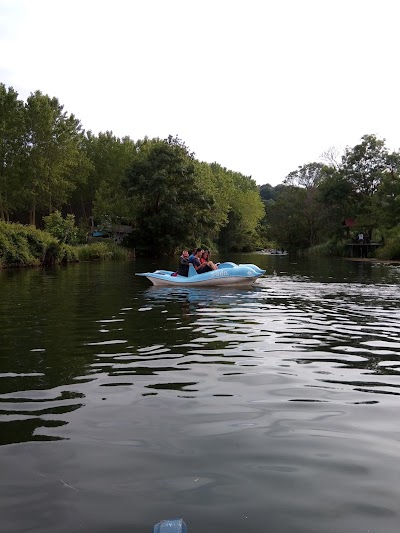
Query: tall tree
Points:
[364, 165]
[307, 176]
[54, 150]
[12, 149]
[161, 183]
[111, 157]
[338, 201]
[386, 201]
[244, 216]
[288, 226]
[306, 200]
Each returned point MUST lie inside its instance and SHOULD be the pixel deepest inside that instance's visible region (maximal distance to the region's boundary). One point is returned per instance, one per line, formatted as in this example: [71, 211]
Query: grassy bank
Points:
[23, 246]
[331, 248]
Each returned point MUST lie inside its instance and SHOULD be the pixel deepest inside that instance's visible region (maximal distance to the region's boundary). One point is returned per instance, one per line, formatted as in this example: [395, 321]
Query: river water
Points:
[274, 408]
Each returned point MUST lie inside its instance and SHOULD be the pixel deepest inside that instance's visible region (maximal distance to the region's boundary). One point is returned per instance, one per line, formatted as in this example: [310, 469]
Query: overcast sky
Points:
[259, 86]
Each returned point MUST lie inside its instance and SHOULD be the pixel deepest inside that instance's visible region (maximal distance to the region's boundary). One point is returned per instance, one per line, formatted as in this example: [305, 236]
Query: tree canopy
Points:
[49, 164]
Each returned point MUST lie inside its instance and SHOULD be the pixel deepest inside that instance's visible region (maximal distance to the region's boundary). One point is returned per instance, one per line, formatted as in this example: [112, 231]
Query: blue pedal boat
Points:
[226, 275]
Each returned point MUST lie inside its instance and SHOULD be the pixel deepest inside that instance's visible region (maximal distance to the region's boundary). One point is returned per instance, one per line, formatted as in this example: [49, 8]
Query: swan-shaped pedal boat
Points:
[227, 274]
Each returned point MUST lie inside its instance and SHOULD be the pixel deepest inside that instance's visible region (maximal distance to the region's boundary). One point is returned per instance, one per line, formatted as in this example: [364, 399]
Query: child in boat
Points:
[183, 268]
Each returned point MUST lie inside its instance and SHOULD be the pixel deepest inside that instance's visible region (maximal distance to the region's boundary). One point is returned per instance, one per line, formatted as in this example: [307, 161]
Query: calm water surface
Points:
[271, 409]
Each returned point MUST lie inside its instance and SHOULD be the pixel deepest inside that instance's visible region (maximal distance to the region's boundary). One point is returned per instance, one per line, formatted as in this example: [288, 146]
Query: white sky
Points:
[259, 86]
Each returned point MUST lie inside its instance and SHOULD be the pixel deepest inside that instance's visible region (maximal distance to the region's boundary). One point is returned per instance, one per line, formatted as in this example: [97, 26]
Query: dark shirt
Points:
[196, 262]
[183, 268]
[193, 259]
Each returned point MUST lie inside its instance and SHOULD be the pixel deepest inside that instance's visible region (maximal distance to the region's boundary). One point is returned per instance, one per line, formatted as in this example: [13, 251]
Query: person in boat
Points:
[200, 268]
[205, 259]
[183, 268]
[205, 256]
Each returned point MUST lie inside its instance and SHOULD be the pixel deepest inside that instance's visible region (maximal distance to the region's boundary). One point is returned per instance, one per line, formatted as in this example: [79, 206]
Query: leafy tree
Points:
[244, 216]
[287, 224]
[338, 201]
[214, 190]
[54, 150]
[111, 157]
[267, 192]
[161, 183]
[308, 176]
[386, 201]
[12, 150]
[63, 229]
[364, 165]
[306, 221]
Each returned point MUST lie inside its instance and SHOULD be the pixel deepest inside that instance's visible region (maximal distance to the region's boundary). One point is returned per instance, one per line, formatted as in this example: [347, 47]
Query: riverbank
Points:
[374, 260]
[26, 246]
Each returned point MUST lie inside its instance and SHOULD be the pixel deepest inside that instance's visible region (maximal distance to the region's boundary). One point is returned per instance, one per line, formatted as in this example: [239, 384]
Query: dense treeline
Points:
[48, 162]
[321, 206]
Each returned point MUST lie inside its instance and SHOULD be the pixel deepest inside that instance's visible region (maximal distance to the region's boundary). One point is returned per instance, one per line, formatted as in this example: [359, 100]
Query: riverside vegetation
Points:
[51, 167]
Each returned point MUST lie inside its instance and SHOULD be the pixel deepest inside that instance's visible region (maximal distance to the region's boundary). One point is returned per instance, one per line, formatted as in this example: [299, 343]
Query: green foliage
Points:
[12, 150]
[338, 200]
[363, 165]
[307, 176]
[54, 152]
[63, 229]
[69, 253]
[296, 219]
[170, 198]
[330, 248]
[267, 192]
[161, 183]
[246, 211]
[26, 246]
[100, 251]
[111, 157]
[386, 201]
[390, 249]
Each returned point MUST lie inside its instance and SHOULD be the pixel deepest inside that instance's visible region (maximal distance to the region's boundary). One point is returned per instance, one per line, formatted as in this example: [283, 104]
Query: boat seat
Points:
[191, 271]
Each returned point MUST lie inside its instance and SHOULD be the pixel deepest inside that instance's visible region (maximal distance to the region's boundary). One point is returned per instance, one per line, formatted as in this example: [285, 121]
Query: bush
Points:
[101, 251]
[27, 246]
[69, 253]
[390, 250]
[63, 229]
[331, 248]
[24, 245]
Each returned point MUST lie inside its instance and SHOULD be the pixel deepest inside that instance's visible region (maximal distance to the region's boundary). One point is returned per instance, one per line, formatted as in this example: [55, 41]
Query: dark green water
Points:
[274, 408]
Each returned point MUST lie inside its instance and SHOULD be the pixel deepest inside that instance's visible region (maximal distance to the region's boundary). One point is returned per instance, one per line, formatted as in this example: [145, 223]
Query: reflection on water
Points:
[234, 408]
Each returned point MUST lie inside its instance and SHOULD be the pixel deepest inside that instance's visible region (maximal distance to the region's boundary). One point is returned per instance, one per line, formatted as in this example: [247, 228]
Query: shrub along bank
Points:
[22, 246]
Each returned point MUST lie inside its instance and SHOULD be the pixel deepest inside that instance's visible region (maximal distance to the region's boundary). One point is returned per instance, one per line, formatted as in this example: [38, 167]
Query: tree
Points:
[303, 192]
[12, 149]
[161, 183]
[338, 201]
[287, 223]
[386, 201]
[267, 192]
[364, 165]
[213, 186]
[54, 150]
[246, 211]
[308, 176]
[111, 157]
[63, 229]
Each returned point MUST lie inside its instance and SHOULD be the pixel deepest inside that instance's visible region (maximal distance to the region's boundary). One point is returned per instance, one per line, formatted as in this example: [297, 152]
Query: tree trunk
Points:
[32, 214]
